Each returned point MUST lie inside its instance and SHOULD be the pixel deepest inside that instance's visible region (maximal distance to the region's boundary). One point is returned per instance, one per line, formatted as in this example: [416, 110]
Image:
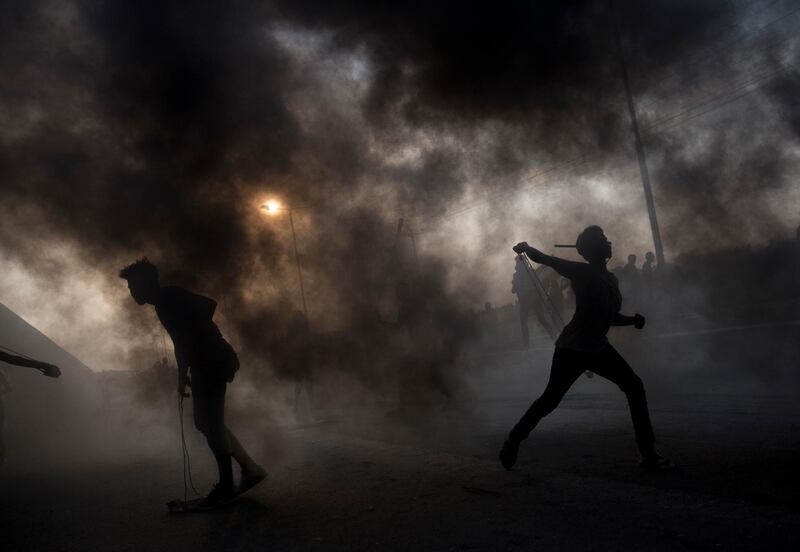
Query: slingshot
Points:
[552, 311]
[555, 322]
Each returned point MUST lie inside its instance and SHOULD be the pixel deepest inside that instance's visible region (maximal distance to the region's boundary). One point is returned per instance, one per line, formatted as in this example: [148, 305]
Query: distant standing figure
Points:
[199, 347]
[299, 356]
[648, 276]
[583, 345]
[648, 267]
[630, 281]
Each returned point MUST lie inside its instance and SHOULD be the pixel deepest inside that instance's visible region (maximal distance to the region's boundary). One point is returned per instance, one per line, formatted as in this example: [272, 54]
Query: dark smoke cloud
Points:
[155, 127]
[551, 65]
[550, 71]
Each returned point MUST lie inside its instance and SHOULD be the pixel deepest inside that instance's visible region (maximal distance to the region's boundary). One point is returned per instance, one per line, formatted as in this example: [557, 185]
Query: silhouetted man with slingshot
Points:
[583, 345]
[199, 347]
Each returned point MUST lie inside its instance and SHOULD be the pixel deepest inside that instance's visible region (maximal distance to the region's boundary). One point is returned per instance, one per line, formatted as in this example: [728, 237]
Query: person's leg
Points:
[222, 441]
[567, 366]
[209, 417]
[240, 454]
[613, 367]
[252, 473]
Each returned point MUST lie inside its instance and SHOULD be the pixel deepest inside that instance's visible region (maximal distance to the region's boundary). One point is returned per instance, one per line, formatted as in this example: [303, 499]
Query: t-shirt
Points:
[187, 317]
[597, 302]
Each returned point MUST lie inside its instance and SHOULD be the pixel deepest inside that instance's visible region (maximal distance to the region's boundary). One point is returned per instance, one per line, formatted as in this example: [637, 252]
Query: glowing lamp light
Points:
[271, 207]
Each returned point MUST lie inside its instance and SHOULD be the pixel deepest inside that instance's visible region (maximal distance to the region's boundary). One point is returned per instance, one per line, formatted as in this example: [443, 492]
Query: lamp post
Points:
[272, 208]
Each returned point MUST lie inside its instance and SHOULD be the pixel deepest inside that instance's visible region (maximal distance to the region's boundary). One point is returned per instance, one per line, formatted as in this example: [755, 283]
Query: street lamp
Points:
[273, 208]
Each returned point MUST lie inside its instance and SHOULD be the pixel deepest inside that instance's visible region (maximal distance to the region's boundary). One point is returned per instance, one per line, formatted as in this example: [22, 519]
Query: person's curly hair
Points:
[588, 239]
[141, 270]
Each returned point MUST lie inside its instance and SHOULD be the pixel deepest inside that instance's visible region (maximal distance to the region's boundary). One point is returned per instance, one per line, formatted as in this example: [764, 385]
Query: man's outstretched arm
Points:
[567, 269]
[47, 369]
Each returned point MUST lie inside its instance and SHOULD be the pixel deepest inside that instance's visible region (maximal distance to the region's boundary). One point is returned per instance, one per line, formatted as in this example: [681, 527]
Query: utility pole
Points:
[297, 263]
[640, 153]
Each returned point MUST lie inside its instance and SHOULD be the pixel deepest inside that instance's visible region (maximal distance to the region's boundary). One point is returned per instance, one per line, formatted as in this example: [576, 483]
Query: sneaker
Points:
[219, 495]
[508, 454]
[656, 462]
[251, 478]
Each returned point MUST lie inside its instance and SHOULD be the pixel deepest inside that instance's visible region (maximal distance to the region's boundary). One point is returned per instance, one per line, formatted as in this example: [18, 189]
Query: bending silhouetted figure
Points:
[583, 344]
[199, 347]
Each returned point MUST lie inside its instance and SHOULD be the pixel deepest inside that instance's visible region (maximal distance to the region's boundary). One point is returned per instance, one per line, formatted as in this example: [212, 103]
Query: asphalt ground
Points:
[418, 478]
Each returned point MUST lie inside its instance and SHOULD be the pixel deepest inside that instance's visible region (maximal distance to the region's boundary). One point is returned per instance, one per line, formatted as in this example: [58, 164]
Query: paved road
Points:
[368, 481]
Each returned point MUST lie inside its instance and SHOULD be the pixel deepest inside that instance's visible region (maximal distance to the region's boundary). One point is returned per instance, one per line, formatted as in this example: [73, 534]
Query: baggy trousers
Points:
[567, 367]
[208, 394]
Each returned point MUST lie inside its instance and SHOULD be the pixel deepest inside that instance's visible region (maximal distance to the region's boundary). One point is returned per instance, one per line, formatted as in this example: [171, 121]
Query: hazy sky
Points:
[158, 128]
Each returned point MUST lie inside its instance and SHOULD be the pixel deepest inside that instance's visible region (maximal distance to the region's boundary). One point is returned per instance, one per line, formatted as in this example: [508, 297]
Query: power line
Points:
[670, 121]
[715, 107]
[712, 103]
[713, 96]
[673, 120]
[710, 52]
[717, 72]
